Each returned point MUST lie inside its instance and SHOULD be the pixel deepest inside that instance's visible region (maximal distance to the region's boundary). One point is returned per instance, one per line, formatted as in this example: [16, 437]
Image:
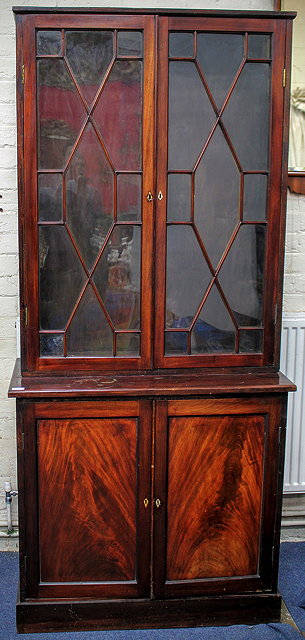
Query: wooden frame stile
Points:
[277, 201]
[283, 191]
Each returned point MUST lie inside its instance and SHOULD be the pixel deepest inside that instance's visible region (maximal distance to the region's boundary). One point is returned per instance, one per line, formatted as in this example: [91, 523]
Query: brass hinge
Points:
[26, 316]
[284, 78]
[22, 74]
[275, 314]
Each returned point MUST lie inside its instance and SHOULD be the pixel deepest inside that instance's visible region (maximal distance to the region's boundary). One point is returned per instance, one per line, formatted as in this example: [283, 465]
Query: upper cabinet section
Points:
[151, 189]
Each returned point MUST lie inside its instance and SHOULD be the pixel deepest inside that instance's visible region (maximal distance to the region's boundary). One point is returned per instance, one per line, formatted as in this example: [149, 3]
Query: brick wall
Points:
[295, 267]
[294, 276]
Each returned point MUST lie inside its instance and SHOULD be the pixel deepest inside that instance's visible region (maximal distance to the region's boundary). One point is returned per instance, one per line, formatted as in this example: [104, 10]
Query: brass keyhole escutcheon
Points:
[158, 503]
[146, 502]
[149, 196]
[160, 195]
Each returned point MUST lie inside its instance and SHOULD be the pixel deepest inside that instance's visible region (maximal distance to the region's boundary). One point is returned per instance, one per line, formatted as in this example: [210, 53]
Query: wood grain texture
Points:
[155, 384]
[87, 487]
[214, 496]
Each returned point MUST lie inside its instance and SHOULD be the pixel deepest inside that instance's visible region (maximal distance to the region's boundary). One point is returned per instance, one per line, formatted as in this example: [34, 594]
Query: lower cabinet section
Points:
[147, 513]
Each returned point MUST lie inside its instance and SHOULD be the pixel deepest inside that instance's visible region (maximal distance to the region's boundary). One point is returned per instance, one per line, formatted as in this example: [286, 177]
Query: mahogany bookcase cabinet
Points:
[150, 409]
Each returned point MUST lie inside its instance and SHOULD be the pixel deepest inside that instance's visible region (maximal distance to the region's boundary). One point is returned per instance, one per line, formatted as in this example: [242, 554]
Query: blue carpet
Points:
[8, 589]
[292, 580]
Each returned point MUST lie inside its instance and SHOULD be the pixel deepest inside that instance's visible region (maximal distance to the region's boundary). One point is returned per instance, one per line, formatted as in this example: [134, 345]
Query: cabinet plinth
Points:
[150, 410]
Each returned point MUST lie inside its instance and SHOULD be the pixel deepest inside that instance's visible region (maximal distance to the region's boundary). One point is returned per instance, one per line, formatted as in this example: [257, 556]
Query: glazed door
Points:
[218, 211]
[93, 487]
[88, 120]
[215, 484]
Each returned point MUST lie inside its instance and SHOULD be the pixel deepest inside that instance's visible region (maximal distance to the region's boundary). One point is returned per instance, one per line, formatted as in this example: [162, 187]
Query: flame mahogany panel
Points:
[214, 499]
[87, 488]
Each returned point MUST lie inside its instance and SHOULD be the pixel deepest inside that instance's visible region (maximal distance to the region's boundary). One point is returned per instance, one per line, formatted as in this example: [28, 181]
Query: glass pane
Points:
[220, 55]
[118, 274]
[89, 333]
[217, 181]
[187, 276]
[48, 43]
[259, 46]
[181, 45]
[50, 197]
[89, 184]
[190, 120]
[128, 344]
[129, 193]
[130, 43]
[255, 197]
[89, 53]
[51, 345]
[176, 343]
[214, 329]
[179, 194]
[119, 115]
[241, 275]
[61, 277]
[60, 114]
[250, 341]
[246, 117]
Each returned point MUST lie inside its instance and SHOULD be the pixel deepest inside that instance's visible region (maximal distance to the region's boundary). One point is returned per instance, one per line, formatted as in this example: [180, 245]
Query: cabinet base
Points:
[33, 616]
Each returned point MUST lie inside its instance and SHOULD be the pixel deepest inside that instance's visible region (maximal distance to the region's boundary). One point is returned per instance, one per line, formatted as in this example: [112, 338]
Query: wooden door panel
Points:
[215, 477]
[215, 471]
[87, 485]
[93, 476]
[207, 313]
[89, 295]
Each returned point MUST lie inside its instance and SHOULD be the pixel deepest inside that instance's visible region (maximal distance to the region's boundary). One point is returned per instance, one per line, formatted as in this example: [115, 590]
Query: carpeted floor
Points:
[292, 584]
[292, 580]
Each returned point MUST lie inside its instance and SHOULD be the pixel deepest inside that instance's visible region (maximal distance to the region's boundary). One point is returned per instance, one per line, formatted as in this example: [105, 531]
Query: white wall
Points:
[295, 261]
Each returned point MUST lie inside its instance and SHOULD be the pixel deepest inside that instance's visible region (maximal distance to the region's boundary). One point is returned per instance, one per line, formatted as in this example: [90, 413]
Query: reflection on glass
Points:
[250, 340]
[214, 330]
[130, 43]
[219, 56]
[179, 195]
[89, 54]
[61, 277]
[89, 333]
[191, 116]
[181, 45]
[118, 115]
[255, 197]
[241, 275]
[187, 276]
[118, 274]
[259, 46]
[50, 197]
[217, 182]
[129, 192]
[51, 345]
[127, 344]
[246, 116]
[60, 114]
[48, 43]
[89, 185]
[176, 342]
